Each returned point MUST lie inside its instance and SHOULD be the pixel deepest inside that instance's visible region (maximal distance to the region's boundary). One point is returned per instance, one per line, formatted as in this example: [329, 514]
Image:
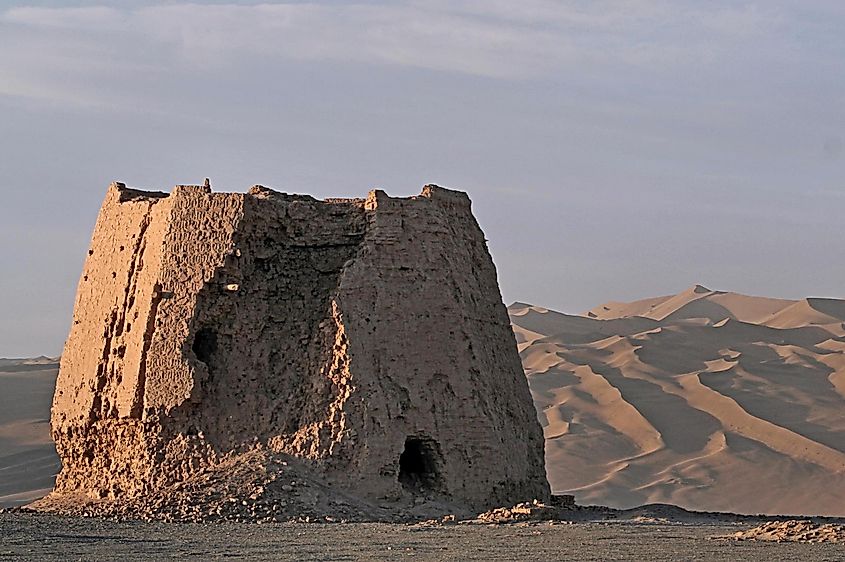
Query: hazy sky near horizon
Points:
[614, 150]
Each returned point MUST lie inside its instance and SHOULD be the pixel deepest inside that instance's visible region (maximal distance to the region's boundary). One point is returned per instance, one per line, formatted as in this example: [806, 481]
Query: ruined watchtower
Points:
[365, 336]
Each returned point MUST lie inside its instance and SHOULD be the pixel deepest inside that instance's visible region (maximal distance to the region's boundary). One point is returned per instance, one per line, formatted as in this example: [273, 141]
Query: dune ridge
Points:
[709, 400]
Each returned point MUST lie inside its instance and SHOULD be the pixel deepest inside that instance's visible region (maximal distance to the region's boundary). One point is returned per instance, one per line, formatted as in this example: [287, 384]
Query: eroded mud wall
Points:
[366, 336]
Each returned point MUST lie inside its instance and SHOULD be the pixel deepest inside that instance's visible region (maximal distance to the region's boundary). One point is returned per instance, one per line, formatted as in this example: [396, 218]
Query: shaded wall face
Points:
[262, 340]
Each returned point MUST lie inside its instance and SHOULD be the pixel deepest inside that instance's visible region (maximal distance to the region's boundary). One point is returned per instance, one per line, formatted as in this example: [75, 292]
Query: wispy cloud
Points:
[62, 52]
[82, 18]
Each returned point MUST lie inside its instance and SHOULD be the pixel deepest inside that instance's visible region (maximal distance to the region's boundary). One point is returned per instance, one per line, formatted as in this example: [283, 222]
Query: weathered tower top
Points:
[365, 337]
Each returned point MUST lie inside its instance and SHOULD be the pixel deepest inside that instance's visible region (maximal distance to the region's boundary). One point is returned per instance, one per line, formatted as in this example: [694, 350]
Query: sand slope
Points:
[708, 400]
[28, 460]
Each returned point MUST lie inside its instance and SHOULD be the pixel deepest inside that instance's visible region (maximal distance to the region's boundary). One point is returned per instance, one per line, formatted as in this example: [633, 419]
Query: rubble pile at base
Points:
[255, 487]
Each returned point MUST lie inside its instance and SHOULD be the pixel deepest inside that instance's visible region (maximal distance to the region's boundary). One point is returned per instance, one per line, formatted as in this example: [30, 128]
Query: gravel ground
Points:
[47, 537]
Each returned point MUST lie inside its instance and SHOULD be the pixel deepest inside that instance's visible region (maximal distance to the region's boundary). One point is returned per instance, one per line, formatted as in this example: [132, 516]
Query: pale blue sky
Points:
[613, 149]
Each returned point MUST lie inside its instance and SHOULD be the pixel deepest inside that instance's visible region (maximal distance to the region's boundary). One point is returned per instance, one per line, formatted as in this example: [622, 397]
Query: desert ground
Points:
[41, 537]
[708, 400]
[28, 461]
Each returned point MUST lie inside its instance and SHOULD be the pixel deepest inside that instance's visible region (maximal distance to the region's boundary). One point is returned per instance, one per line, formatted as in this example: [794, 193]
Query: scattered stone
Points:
[793, 531]
[563, 500]
[527, 511]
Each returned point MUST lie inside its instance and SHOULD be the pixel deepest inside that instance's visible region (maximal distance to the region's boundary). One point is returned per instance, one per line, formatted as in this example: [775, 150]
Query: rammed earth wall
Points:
[367, 336]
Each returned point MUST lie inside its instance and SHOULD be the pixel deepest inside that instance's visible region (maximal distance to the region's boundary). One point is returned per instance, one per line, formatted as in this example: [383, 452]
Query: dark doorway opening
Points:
[419, 465]
[205, 344]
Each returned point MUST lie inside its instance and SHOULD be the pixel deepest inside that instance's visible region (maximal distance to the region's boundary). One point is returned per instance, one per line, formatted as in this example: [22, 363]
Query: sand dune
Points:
[28, 461]
[706, 399]
[819, 312]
